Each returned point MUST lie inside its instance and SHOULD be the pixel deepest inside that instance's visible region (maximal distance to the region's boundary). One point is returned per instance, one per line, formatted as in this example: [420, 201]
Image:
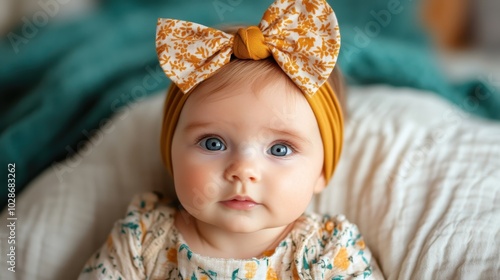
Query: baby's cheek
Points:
[196, 185]
[297, 188]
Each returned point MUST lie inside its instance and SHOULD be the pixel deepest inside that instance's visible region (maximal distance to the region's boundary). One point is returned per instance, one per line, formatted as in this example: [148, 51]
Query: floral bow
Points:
[302, 36]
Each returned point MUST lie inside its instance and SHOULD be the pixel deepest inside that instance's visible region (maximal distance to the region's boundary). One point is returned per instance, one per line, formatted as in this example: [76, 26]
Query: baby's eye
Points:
[212, 144]
[280, 150]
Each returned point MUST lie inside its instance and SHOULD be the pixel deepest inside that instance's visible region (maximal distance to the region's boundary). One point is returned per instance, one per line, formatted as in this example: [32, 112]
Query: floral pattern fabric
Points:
[146, 245]
[303, 37]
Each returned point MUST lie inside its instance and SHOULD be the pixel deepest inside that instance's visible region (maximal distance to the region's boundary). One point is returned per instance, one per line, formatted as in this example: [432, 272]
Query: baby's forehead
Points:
[249, 76]
[250, 104]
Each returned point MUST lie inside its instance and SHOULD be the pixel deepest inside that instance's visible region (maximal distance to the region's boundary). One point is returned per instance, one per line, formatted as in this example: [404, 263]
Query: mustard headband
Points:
[302, 37]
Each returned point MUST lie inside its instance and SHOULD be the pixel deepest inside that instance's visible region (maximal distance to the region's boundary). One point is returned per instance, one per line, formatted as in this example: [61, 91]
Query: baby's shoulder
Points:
[149, 208]
[334, 229]
[149, 203]
[148, 217]
[329, 232]
[135, 242]
[331, 245]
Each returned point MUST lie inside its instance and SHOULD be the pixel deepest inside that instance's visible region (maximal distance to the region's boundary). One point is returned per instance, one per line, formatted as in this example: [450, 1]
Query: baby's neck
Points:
[208, 240]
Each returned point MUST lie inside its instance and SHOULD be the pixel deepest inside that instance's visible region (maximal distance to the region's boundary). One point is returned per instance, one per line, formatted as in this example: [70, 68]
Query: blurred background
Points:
[67, 66]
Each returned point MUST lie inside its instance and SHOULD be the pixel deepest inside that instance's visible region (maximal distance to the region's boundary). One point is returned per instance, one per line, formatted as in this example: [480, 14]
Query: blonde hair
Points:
[266, 71]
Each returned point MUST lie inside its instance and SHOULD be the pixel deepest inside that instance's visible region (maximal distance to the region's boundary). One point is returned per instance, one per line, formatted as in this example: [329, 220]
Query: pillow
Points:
[420, 179]
[418, 176]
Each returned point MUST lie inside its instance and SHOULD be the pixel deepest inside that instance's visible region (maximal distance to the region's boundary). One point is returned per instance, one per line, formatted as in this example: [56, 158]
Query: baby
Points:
[252, 129]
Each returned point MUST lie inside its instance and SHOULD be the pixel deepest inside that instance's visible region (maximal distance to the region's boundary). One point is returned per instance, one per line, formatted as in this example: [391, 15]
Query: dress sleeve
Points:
[121, 257]
[349, 256]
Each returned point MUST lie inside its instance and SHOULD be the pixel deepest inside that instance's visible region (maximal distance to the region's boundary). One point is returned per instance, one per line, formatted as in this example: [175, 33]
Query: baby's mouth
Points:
[240, 203]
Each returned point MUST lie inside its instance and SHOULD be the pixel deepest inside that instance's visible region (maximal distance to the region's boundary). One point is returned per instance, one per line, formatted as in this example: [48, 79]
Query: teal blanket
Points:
[61, 82]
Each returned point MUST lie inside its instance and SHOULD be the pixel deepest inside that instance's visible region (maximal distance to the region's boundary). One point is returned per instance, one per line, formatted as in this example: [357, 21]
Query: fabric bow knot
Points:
[249, 43]
[302, 36]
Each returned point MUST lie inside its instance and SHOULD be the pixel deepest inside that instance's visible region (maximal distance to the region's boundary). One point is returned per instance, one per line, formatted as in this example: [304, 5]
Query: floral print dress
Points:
[146, 245]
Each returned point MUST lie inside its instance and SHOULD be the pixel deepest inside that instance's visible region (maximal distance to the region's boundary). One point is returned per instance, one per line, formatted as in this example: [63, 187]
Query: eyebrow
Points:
[196, 125]
[292, 134]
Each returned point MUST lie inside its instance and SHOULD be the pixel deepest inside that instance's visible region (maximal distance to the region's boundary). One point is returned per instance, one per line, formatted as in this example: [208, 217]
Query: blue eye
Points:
[280, 150]
[212, 144]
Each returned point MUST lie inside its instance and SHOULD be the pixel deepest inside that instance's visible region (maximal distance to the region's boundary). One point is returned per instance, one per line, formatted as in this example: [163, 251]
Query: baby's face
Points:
[245, 161]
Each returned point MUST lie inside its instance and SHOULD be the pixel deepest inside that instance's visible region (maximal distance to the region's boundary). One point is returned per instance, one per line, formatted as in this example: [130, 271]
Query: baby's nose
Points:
[244, 166]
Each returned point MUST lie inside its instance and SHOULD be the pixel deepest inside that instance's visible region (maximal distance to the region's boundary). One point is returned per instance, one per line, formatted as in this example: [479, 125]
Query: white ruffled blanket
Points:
[419, 177]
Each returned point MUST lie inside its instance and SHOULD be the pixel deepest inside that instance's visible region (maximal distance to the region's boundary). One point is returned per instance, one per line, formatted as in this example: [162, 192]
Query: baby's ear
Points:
[320, 184]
